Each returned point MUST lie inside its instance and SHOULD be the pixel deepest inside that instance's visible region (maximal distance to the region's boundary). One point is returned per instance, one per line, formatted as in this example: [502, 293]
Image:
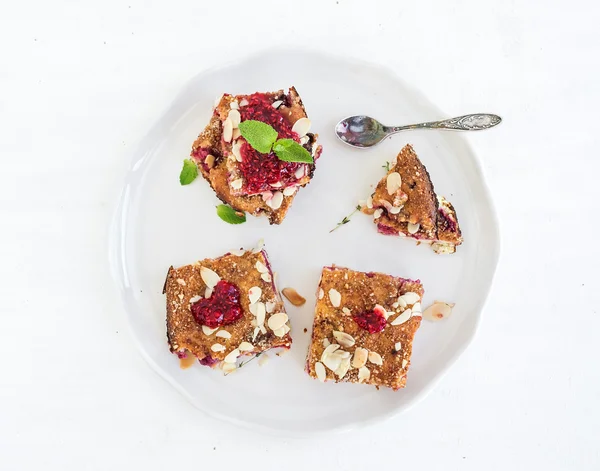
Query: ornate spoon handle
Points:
[469, 122]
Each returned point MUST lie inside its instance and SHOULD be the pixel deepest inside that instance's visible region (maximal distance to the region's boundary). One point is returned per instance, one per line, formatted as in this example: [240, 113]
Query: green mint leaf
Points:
[259, 135]
[230, 215]
[289, 150]
[189, 172]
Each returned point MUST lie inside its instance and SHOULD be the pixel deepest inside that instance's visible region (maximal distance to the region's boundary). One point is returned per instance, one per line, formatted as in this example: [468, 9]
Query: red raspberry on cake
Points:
[219, 310]
[364, 327]
[405, 204]
[244, 177]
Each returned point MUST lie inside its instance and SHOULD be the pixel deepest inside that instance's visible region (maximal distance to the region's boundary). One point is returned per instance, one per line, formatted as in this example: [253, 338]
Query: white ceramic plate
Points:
[160, 223]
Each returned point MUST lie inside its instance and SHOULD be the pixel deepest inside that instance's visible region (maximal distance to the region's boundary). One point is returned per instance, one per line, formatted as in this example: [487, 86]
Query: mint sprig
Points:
[230, 215]
[263, 138]
[189, 172]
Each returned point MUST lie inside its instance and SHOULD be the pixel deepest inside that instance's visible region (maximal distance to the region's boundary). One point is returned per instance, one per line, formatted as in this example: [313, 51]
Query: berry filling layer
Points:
[222, 308]
[372, 321]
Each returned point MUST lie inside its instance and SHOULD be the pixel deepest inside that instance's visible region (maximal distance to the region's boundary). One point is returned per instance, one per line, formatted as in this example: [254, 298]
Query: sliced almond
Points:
[286, 328]
[195, 299]
[276, 200]
[263, 359]
[438, 311]
[263, 329]
[254, 294]
[235, 135]
[255, 333]
[237, 183]
[210, 161]
[416, 309]
[301, 127]
[326, 342]
[343, 368]
[235, 117]
[209, 277]
[232, 356]
[227, 130]
[404, 363]
[234, 105]
[266, 277]
[208, 292]
[377, 214]
[259, 246]
[276, 321]
[299, 173]
[270, 306]
[335, 297]
[360, 357]
[260, 313]
[243, 102]
[217, 347]
[208, 331]
[329, 350]
[228, 367]
[363, 374]
[304, 140]
[332, 362]
[235, 150]
[375, 358]
[402, 318]
[402, 303]
[293, 297]
[223, 334]
[413, 228]
[410, 298]
[289, 191]
[393, 182]
[320, 371]
[279, 332]
[398, 346]
[246, 347]
[346, 311]
[370, 202]
[261, 267]
[276, 104]
[344, 339]
[321, 293]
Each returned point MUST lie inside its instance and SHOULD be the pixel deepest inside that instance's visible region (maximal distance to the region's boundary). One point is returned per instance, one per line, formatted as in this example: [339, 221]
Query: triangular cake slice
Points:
[405, 204]
[259, 184]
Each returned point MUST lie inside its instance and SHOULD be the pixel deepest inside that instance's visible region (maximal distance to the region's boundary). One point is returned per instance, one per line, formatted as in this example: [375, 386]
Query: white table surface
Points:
[81, 84]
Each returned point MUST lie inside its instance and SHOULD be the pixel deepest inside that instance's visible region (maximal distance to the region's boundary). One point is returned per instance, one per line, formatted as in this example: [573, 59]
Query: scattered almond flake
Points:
[270, 306]
[276, 200]
[329, 350]
[276, 321]
[370, 202]
[260, 314]
[335, 297]
[416, 309]
[377, 214]
[228, 367]
[263, 359]
[393, 182]
[402, 318]
[343, 368]
[346, 311]
[236, 151]
[208, 331]
[413, 228]
[210, 161]
[404, 363]
[209, 277]
[398, 346]
[180, 296]
[246, 347]
[279, 332]
[410, 298]
[299, 173]
[254, 294]
[263, 329]
[362, 203]
[286, 328]
[232, 356]
[360, 357]
[342, 353]
[301, 127]
[344, 339]
[402, 303]
[223, 334]
[243, 102]
[326, 342]
[276, 185]
[217, 347]
[195, 299]
[321, 293]
[234, 105]
[320, 371]
[259, 246]
[252, 308]
[266, 277]
[237, 183]
[363, 374]
[276, 104]
[235, 117]
[304, 140]
[181, 281]
[289, 191]
[236, 133]
[261, 267]
[253, 321]
[375, 358]
[227, 130]
[315, 150]
[332, 362]
[255, 333]
[437, 311]
[293, 297]
[395, 305]
[238, 252]
[208, 292]
[395, 209]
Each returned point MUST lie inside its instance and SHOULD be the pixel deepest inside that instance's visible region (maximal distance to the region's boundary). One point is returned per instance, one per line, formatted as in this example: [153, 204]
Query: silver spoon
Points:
[364, 131]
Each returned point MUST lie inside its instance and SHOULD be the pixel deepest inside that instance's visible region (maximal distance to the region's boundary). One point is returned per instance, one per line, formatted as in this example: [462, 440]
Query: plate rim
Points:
[116, 234]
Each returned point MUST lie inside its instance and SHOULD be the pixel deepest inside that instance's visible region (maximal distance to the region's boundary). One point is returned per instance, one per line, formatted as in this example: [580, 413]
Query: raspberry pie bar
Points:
[248, 180]
[405, 204]
[364, 327]
[221, 309]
